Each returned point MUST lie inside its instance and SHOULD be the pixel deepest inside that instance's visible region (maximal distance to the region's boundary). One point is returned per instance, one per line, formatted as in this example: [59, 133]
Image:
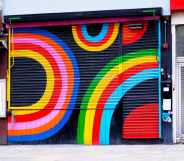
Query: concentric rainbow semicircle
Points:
[107, 89]
[47, 116]
[100, 42]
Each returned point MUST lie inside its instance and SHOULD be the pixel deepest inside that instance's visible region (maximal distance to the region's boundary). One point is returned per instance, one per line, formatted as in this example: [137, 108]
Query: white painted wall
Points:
[2, 98]
[22, 7]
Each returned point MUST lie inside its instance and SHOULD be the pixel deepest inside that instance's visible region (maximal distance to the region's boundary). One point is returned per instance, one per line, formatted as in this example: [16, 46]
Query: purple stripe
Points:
[83, 21]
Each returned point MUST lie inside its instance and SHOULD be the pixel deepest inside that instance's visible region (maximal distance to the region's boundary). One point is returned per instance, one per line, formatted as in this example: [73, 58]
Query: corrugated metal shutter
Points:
[44, 84]
[29, 76]
[94, 89]
[116, 66]
[141, 103]
[179, 83]
[179, 101]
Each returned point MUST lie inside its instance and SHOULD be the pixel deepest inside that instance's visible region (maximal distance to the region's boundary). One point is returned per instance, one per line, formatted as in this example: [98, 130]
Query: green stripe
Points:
[97, 79]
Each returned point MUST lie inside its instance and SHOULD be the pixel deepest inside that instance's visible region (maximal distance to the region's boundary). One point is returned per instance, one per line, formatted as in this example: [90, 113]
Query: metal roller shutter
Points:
[179, 83]
[31, 74]
[77, 76]
[141, 104]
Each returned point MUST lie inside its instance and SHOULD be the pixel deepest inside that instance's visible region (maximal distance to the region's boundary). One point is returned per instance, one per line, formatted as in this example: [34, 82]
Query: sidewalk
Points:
[92, 153]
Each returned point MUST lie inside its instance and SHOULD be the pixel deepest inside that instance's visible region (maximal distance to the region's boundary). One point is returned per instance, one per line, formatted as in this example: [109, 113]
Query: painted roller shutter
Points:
[44, 85]
[141, 103]
[87, 72]
[30, 74]
[89, 53]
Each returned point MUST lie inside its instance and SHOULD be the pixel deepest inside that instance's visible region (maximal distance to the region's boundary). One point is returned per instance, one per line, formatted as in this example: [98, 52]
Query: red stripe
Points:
[95, 44]
[109, 90]
[141, 123]
[131, 36]
[57, 89]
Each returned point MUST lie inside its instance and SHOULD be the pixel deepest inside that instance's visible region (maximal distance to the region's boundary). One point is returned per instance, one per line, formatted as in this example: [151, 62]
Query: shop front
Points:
[95, 78]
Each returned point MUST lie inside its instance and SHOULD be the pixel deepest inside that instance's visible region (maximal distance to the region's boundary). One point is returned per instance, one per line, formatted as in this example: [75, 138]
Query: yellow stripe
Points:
[49, 84]
[9, 68]
[96, 48]
[90, 114]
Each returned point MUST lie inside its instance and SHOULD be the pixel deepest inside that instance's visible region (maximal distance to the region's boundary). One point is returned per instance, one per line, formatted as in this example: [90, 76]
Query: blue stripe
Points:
[116, 97]
[71, 106]
[159, 86]
[98, 37]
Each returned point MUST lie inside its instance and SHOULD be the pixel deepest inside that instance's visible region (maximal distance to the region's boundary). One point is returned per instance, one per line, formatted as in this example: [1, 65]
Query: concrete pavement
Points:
[92, 153]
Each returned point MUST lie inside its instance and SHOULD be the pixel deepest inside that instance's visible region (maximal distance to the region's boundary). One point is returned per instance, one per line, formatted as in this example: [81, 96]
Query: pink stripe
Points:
[83, 21]
[46, 119]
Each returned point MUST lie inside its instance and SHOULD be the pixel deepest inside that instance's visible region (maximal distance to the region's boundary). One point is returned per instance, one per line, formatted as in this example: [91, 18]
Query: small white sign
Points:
[167, 104]
[166, 89]
[2, 98]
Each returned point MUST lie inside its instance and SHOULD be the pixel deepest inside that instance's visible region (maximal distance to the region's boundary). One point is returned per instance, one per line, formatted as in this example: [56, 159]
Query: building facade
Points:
[89, 74]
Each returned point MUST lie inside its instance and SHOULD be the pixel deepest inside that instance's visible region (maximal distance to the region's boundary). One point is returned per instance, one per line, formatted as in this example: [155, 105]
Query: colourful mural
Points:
[45, 117]
[74, 84]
